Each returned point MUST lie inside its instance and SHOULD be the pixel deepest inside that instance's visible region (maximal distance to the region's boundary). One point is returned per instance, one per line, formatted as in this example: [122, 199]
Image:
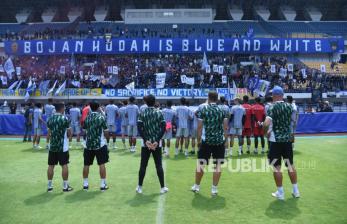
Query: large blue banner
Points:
[175, 45]
[167, 93]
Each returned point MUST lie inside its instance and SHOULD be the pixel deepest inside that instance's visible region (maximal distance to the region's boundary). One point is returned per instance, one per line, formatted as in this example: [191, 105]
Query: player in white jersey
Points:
[295, 117]
[144, 105]
[38, 121]
[237, 118]
[49, 111]
[193, 129]
[124, 121]
[111, 111]
[169, 116]
[183, 116]
[132, 113]
[268, 103]
[75, 124]
[224, 106]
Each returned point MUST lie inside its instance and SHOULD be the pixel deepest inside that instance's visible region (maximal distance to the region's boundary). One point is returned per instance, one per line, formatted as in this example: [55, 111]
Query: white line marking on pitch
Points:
[161, 203]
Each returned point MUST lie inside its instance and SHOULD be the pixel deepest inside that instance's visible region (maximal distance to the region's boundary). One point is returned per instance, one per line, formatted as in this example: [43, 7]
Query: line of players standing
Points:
[245, 121]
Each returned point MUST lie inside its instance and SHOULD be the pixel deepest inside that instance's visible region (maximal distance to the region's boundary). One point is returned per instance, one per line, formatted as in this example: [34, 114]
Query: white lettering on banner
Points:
[209, 45]
[145, 45]
[66, 47]
[220, 44]
[108, 46]
[197, 47]
[160, 43]
[27, 47]
[133, 46]
[246, 43]
[318, 45]
[79, 46]
[39, 47]
[306, 42]
[169, 45]
[287, 45]
[236, 45]
[256, 45]
[96, 45]
[274, 46]
[52, 50]
[121, 45]
[185, 45]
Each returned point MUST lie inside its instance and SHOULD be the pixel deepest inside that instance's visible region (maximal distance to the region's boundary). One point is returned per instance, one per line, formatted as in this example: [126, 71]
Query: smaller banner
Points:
[221, 69]
[160, 80]
[273, 69]
[290, 68]
[224, 79]
[18, 70]
[115, 70]
[322, 68]
[215, 68]
[208, 69]
[62, 70]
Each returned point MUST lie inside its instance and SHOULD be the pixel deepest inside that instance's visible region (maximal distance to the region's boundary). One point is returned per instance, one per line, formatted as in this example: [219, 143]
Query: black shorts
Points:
[55, 157]
[279, 151]
[216, 151]
[100, 154]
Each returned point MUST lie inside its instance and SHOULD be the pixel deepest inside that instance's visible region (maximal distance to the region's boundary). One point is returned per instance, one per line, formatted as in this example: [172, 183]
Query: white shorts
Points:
[235, 131]
[124, 129]
[132, 130]
[76, 129]
[182, 132]
[168, 134]
[111, 128]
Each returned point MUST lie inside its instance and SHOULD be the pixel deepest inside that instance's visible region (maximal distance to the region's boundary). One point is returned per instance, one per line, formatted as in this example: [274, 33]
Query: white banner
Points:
[109, 69]
[190, 81]
[62, 70]
[115, 70]
[290, 67]
[322, 68]
[183, 78]
[160, 80]
[303, 72]
[208, 69]
[283, 72]
[224, 79]
[9, 68]
[215, 68]
[221, 69]
[273, 69]
[4, 80]
[18, 70]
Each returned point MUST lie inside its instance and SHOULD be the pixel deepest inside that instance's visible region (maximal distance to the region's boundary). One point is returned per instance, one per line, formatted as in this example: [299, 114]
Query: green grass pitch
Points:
[244, 197]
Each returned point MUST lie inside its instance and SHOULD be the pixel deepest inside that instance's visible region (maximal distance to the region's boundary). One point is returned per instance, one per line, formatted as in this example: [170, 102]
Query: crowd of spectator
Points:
[91, 71]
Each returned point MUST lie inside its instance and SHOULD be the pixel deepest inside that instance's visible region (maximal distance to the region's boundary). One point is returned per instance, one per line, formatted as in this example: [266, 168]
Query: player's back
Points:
[75, 115]
[132, 112]
[49, 111]
[111, 113]
[226, 109]
[238, 112]
[183, 114]
[168, 114]
[122, 115]
[248, 121]
[258, 111]
[36, 117]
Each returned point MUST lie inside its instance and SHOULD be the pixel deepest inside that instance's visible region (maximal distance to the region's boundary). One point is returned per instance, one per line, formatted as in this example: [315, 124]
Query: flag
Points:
[76, 83]
[2, 68]
[19, 84]
[4, 80]
[253, 83]
[52, 89]
[62, 70]
[115, 70]
[9, 68]
[215, 68]
[113, 81]
[250, 32]
[183, 78]
[322, 68]
[303, 72]
[224, 79]
[290, 67]
[273, 69]
[233, 69]
[190, 80]
[12, 86]
[204, 63]
[18, 71]
[262, 87]
[30, 88]
[160, 80]
[60, 89]
[208, 69]
[221, 69]
[130, 87]
[44, 85]
[283, 72]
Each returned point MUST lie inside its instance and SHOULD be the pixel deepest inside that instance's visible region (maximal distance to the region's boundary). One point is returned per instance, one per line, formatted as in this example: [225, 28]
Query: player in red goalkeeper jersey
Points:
[258, 117]
[247, 128]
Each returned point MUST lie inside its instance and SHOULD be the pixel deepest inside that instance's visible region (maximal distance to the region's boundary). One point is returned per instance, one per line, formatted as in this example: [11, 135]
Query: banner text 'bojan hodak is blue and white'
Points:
[174, 45]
